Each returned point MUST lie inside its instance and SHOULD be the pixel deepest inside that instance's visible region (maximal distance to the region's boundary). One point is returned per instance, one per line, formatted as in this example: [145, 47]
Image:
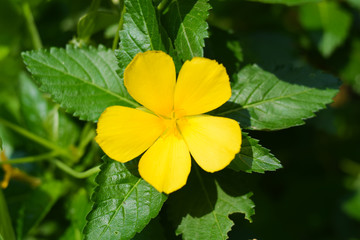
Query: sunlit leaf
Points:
[206, 203]
[140, 31]
[253, 157]
[123, 202]
[82, 80]
[186, 24]
[265, 101]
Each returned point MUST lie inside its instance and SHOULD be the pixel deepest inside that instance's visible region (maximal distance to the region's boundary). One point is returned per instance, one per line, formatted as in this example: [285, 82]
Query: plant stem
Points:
[31, 25]
[36, 138]
[41, 157]
[162, 5]
[121, 21]
[74, 173]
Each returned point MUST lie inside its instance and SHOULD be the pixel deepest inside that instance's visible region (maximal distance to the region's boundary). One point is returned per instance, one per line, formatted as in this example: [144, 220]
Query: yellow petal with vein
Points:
[212, 141]
[166, 165]
[124, 133]
[202, 86]
[150, 79]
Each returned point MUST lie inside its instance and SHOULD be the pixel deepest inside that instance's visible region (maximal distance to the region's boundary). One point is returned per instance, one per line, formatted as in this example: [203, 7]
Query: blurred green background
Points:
[317, 193]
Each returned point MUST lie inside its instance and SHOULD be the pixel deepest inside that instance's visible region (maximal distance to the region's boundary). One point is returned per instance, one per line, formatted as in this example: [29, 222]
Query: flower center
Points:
[171, 124]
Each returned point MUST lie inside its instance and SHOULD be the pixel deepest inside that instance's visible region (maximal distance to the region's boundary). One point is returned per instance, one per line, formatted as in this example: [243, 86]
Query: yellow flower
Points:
[172, 124]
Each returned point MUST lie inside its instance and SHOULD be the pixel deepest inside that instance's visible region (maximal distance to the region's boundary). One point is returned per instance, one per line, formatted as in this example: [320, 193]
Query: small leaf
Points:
[123, 202]
[140, 31]
[253, 157]
[186, 24]
[331, 19]
[83, 81]
[206, 202]
[264, 101]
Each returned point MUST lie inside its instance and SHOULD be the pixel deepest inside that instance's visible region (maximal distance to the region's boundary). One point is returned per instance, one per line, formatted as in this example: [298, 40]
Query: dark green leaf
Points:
[331, 19]
[225, 48]
[6, 229]
[201, 209]
[186, 24]
[78, 206]
[264, 101]
[253, 157]
[83, 81]
[37, 205]
[350, 72]
[140, 31]
[153, 230]
[95, 21]
[287, 2]
[123, 202]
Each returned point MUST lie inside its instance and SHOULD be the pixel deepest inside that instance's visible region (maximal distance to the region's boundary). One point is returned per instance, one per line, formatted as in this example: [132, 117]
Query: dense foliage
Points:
[62, 64]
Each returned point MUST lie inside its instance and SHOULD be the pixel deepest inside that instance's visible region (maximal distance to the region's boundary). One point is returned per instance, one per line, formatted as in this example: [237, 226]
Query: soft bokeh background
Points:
[317, 193]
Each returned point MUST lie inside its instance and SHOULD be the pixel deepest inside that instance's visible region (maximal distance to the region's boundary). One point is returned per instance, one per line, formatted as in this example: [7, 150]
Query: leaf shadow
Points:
[183, 11]
[199, 197]
[303, 76]
[235, 111]
[243, 161]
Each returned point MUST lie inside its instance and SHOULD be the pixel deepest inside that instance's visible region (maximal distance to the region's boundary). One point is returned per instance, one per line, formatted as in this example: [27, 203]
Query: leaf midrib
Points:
[120, 205]
[183, 28]
[209, 202]
[262, 102]
[86, 82]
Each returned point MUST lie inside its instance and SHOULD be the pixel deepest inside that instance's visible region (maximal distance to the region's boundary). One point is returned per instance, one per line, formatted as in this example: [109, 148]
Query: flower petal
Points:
[150, 79]
[202, 86]
[124, 133]
[212, 141]
[166, 165]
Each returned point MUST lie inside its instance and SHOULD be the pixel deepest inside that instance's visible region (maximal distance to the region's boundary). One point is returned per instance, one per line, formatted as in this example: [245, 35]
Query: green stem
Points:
[31, 25]
[74, 173]
[162, 5]
[36, 138]
[121, 21]
[87, 135]
[41, 157]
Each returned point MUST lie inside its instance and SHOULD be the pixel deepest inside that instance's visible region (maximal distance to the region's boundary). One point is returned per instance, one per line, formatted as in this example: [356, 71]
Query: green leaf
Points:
[288, 2]
[253, 157]
[78, 206]
[37, 205]
[94, 22]
[43, 117]
[265, 101]
[201, 209]
[186, 25]
[84, 81]
[350, 72]
[331, 19]
[140, 31]
[6, 229]
[124, 203]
